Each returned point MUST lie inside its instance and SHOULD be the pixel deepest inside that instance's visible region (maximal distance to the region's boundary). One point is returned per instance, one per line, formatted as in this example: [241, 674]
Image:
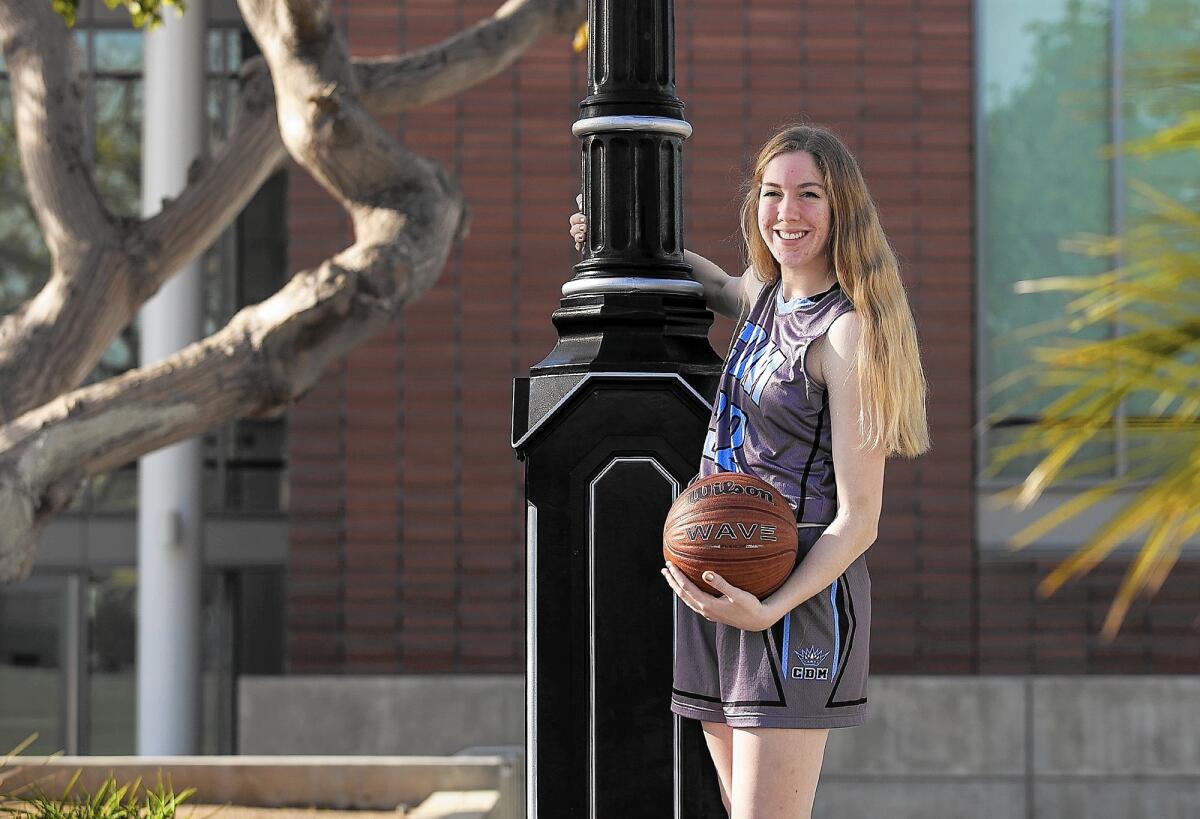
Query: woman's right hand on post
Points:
[579, 224]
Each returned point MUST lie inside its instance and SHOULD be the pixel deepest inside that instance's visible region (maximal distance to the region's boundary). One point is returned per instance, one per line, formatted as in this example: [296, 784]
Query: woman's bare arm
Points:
[858, 474]
[724, 293]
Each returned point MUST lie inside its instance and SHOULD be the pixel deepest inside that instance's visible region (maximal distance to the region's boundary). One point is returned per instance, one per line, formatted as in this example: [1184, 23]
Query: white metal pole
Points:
[170, 505]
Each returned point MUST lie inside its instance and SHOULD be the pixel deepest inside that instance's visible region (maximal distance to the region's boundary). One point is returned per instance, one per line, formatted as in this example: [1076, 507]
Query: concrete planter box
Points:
[982, 747]
[487, 787]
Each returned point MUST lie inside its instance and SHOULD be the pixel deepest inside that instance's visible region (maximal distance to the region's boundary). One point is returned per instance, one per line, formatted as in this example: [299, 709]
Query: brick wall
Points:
[406, 500]
[1024, 634]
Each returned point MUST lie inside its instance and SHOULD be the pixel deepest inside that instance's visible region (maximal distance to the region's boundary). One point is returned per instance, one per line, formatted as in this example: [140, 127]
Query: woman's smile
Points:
[790, 236]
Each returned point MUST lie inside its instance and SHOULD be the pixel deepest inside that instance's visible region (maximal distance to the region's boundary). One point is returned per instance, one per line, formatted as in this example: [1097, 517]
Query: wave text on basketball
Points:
[704, 532]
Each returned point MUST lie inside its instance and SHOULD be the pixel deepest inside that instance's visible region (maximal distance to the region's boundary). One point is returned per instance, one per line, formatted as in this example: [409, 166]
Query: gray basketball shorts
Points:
[809, 670]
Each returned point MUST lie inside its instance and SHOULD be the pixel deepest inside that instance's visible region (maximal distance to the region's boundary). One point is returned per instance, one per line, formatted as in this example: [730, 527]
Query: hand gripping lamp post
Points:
[610, 426]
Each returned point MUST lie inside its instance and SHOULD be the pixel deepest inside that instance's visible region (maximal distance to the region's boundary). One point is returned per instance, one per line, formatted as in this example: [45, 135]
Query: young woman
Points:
[823, 381]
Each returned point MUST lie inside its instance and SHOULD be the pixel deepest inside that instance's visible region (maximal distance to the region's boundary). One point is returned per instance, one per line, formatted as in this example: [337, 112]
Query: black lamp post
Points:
[610, 426]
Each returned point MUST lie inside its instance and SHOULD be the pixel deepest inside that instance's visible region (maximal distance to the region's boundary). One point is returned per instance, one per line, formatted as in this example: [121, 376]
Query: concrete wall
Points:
[386, 715]
[1009, 747]
[973, 747]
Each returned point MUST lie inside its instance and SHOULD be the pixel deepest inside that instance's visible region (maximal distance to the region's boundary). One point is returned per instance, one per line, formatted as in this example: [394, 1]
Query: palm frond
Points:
[1182, 136]
[1154, 300]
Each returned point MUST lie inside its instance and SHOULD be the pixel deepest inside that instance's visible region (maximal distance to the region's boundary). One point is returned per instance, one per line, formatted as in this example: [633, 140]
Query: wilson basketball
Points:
[735, 525]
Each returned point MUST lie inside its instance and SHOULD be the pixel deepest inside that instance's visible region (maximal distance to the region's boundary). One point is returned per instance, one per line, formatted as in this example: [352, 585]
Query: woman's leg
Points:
[719, 737]
[775, 771]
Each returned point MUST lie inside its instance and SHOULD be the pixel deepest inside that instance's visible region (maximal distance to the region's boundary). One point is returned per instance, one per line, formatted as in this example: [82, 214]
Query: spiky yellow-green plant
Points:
[111, 801]
[1153, 294]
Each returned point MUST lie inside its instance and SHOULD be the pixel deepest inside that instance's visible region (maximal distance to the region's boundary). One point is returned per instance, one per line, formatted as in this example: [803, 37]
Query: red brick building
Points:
[406, 522]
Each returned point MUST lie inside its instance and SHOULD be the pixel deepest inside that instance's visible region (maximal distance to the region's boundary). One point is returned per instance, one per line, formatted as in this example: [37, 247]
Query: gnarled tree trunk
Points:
[304, 97]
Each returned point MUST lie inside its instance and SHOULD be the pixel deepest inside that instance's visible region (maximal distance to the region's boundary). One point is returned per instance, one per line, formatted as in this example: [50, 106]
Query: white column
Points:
[170, 507]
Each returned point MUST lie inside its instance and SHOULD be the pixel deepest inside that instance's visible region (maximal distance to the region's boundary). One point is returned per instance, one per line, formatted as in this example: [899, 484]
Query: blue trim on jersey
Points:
[784, 308]
[787, 642]
[837, 637]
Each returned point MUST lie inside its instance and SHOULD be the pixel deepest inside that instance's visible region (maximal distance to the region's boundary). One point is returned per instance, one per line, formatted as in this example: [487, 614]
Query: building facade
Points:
[405, 548]
[380, 530]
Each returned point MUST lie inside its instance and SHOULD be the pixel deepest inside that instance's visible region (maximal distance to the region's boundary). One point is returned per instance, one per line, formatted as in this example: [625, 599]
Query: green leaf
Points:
[142, 13]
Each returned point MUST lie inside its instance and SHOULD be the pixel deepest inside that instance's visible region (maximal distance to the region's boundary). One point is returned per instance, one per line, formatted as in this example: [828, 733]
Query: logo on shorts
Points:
[810, 660]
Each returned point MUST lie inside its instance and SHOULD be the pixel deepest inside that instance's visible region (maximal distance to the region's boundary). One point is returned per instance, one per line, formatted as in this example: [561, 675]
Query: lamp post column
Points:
[610, 426]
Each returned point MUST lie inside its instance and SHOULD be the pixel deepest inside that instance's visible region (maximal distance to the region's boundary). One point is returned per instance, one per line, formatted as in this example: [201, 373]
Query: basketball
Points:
[736, 525]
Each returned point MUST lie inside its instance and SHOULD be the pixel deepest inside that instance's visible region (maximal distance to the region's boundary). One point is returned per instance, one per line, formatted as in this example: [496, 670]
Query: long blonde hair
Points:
[893, 386]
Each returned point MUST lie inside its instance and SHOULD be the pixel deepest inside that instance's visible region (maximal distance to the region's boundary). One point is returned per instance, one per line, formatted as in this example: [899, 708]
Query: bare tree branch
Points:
[393, 85]
[405, 209]
[99, 280]
[43, 351]
[42, 62]
[264, 358]
[406, 213]
[388, 86]
[52, 342]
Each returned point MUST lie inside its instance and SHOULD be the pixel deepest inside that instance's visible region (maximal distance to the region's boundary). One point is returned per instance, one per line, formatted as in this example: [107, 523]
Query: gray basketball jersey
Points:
[770, 418]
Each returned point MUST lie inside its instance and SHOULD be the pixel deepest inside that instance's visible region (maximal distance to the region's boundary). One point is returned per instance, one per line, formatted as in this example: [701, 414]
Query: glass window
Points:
[241, 623]
[112, 664]
[118, 51]
[31, 617]
[1059, 82]
[1044, 107]
[117, 140]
